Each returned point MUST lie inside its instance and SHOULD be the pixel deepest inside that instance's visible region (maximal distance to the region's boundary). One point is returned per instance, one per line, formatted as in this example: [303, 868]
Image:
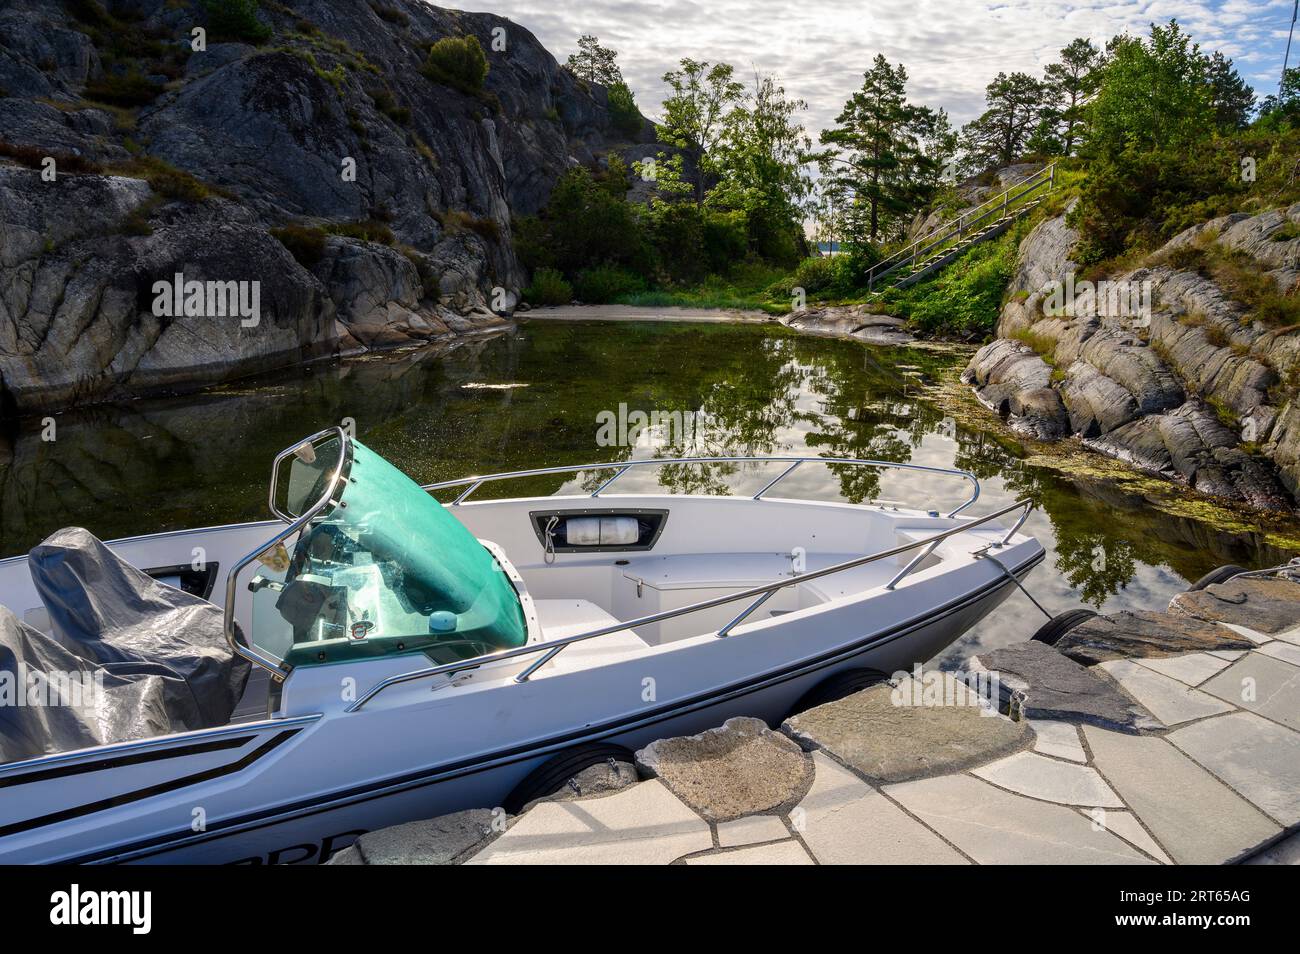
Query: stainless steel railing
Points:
[622, 467]
[551, 648]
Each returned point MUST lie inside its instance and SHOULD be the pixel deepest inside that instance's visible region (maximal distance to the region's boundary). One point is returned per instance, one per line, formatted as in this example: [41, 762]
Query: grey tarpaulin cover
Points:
[162, 652]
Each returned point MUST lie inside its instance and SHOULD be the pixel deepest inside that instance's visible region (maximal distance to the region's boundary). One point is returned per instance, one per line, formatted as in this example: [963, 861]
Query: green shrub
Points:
[622, 110]
[368, 230]
[128, 89]
[548, 288]
[965, 298]
[458, 62]
[726, 239]
[458, 220]
[166, 180]
[305, 243]
[815, 275]
[606, 283]
[235, 20]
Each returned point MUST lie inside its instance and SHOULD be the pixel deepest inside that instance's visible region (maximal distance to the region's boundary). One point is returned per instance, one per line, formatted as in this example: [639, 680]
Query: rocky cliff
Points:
[1176, 366]
[370, 202]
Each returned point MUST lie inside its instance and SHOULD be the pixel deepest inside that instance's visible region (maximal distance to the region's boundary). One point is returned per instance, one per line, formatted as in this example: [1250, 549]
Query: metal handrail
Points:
[552, 648]
[623, 466]
[961, 222]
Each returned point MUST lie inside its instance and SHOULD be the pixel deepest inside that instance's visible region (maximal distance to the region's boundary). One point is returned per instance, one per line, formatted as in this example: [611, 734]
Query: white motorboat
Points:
[411, 658]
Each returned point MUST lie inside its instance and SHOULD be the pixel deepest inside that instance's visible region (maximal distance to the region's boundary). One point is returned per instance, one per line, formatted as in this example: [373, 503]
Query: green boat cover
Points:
[387, 570]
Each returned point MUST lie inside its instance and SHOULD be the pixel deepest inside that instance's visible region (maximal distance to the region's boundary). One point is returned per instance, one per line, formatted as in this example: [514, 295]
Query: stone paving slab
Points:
[1197, 818]
[751, 830]
[444, 840]
[1274, 688]
[779, 853]
[1050, 780]
[1167, 699]
[1286, 652]
[996, 827]
[1126, 825]
[1127, 635]
[1291, 636]
[740, 768]
[1058, 739]
[1047, 685]
[907, 740]
[844, 821]
[1255, 636]
[1267, 605]
[644, 824]
[1191, 670]
[1259, 759]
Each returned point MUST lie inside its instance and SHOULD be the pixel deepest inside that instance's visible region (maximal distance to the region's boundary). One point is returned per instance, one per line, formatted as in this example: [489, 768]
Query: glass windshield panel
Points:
[386, 570]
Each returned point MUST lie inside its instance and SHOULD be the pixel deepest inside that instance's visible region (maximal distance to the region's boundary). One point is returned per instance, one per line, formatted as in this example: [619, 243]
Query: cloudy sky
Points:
[951, 48]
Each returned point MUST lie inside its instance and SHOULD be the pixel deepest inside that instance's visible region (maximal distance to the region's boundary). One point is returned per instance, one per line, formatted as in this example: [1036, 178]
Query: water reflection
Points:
[739, 390]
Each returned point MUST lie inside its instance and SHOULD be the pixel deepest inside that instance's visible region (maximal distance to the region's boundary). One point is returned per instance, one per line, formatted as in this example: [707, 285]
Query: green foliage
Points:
[1002, 132]
[594, 63]
[306, 243]
[886, 155]
[622, 109]
[367, 230]
[607, 283]
[128, 90]
[235, 20]
[458, 62]
[965, 298]
[694, 114]
[548, 288]
[166, 180]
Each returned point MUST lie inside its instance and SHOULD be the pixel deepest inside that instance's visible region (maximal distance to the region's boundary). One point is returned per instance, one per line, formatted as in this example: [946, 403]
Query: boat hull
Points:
[281, 828]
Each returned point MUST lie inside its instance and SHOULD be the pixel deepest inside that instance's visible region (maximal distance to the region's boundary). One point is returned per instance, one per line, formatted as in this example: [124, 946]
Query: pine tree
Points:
[878, 151]
[1234, 100]
[594, 63]
[1070, 82]
[999, 136]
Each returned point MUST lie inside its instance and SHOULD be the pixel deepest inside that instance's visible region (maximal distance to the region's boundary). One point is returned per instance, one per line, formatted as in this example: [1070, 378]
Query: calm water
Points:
[148, 466]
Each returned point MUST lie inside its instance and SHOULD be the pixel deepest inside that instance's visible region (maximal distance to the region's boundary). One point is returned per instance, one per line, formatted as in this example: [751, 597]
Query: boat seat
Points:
[568, 617]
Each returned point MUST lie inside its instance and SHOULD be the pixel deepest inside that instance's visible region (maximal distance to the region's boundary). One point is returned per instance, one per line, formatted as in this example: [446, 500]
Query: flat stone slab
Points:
[892, 734]
[844, 821]
[1126, 825]
[1287, 652]
[1266, 605]
[1169, 700]
[1050, 780]
[644, 824]
[996, 827]
[1041, 683]
[1191, 670]
[751, 830]
[1197, 819]
[1058, 739]
[740, 768]
[445, 840]
[1257, 758]
[780, 853]
[1128, 635]
[1261, 684]
[1291, 636]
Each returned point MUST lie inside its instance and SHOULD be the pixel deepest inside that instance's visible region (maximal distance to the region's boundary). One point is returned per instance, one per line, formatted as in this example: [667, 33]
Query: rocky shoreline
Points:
[371, 204]
[1128, 741]
[1196, 389]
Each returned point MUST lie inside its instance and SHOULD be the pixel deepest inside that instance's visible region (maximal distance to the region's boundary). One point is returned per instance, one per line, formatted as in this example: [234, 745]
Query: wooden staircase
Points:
[949, 241]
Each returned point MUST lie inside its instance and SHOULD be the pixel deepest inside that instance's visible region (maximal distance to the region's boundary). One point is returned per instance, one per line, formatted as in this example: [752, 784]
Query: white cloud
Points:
[951, 48]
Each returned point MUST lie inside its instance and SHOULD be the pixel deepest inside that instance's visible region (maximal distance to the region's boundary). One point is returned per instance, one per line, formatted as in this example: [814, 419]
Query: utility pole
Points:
[1295, 9]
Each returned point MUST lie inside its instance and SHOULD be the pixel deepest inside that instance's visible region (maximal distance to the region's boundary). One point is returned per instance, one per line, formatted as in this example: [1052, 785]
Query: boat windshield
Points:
[382, 569]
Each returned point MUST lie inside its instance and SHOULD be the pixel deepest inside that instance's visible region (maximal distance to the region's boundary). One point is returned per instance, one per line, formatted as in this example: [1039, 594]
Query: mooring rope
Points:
[985, 555]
